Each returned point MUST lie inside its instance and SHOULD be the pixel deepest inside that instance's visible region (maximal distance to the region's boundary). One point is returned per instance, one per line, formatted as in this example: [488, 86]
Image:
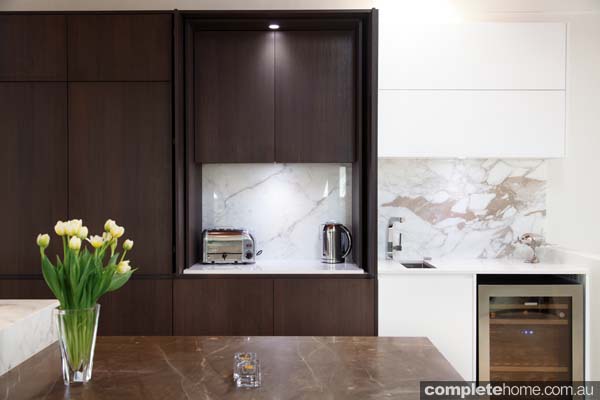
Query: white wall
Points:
[574, 182]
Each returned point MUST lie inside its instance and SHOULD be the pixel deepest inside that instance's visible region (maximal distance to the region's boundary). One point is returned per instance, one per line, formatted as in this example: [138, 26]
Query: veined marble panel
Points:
[26, 327]
[281, 204]
[461, 208]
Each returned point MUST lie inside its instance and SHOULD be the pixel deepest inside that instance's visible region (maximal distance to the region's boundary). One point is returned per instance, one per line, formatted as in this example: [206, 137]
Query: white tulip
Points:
[123, 267]
[75, 243]
[108, 224]
[83, 232]
[117, 231]
[96, 241]
[128, 244]
[43, 240]
[70, 228]
[60, 228]
[73, 227]
[107, 237]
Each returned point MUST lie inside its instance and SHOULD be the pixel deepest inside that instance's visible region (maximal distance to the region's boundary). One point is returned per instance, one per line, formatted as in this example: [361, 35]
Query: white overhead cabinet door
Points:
[472, 90]
[459, 123]
[507, 56]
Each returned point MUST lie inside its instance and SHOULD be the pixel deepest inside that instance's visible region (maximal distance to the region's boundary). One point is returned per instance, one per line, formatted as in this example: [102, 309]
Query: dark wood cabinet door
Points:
[141, 307]
[126, 47]
[33, 171]
[24, 289]
[223, 307]
[233, 76]
[33, 48]
[120, 166]
[324, 307]
[315, 98]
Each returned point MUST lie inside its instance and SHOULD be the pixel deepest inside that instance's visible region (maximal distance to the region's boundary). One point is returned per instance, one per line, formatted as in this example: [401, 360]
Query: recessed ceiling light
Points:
[273, 26]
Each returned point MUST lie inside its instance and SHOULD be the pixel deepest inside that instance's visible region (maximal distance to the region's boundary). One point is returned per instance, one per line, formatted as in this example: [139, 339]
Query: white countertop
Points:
[482, 266]
[13, 311]
[288, 267]
[26, 327]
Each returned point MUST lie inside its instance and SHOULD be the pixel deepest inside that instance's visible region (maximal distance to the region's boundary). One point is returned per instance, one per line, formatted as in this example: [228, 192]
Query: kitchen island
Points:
[200, 367]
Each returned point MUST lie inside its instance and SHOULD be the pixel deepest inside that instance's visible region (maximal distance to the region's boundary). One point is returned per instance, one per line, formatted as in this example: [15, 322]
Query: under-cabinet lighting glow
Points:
[273, 26]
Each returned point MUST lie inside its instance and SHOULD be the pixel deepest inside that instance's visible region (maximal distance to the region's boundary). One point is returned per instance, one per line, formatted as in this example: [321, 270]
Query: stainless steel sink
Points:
[418, 265]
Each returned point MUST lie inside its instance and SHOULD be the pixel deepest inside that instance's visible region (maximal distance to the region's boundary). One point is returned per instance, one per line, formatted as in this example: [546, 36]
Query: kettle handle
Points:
[349, 235]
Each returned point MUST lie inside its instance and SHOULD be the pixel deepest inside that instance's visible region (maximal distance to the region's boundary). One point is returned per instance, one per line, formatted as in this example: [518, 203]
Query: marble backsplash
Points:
[461, 208]
[281, 204]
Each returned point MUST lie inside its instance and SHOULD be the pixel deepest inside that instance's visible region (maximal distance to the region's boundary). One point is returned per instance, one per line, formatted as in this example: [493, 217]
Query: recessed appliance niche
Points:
[282, 205]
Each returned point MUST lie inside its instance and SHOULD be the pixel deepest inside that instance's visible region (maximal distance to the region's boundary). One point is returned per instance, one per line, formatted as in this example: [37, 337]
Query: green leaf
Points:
[87, 269]
[118, 280]
[51, 278]
[105, 279]
[72, 267]
[113, 260]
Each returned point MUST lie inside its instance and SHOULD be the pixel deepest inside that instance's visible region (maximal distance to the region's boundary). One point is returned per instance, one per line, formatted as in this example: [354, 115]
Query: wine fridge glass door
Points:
[530, 333]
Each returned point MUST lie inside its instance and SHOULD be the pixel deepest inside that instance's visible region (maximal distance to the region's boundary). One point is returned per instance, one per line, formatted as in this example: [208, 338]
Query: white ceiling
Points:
[465, 7]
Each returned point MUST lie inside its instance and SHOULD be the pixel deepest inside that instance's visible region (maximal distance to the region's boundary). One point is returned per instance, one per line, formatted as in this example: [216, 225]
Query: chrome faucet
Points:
[533, 241]
[389, 253]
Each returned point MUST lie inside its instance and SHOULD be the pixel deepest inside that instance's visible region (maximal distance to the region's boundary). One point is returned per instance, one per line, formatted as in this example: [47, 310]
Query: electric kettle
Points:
[333, 236]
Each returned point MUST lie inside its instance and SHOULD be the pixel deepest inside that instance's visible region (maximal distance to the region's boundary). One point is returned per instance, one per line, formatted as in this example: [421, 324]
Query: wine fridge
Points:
[530, 333]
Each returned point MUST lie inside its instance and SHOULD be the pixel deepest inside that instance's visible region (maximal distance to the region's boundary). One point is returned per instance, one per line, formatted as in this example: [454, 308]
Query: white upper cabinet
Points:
[484, 124]
[484, 56]
[472, 89]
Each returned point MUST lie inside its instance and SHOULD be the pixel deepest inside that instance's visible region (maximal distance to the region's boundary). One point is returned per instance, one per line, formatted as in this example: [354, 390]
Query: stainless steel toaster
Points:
[227, 246]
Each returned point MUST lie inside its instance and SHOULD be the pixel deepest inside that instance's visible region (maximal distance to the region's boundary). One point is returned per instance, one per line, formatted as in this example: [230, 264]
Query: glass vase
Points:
[77, 338]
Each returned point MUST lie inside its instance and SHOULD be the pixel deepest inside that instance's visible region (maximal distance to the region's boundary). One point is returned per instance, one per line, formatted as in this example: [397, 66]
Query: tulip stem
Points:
[64, 240]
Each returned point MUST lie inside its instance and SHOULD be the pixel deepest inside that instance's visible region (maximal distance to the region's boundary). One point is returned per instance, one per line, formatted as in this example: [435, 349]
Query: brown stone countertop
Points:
[201, 368]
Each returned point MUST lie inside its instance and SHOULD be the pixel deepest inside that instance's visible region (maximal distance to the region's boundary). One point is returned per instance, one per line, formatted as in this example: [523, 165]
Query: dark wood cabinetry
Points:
[281, 307]
[263, 96]
[233, 96]
[103, 115]
[33, 48]
[324, 307]
[90, 150]
[231, 306]
[24, 289]
[315, 96]
[120, 165]
[120, 47]
[142, 307]
[33, 170]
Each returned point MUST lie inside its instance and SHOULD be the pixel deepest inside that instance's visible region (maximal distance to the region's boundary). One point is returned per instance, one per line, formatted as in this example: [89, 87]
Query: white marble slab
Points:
[26, 327]
[276, 267]
[472, 208]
